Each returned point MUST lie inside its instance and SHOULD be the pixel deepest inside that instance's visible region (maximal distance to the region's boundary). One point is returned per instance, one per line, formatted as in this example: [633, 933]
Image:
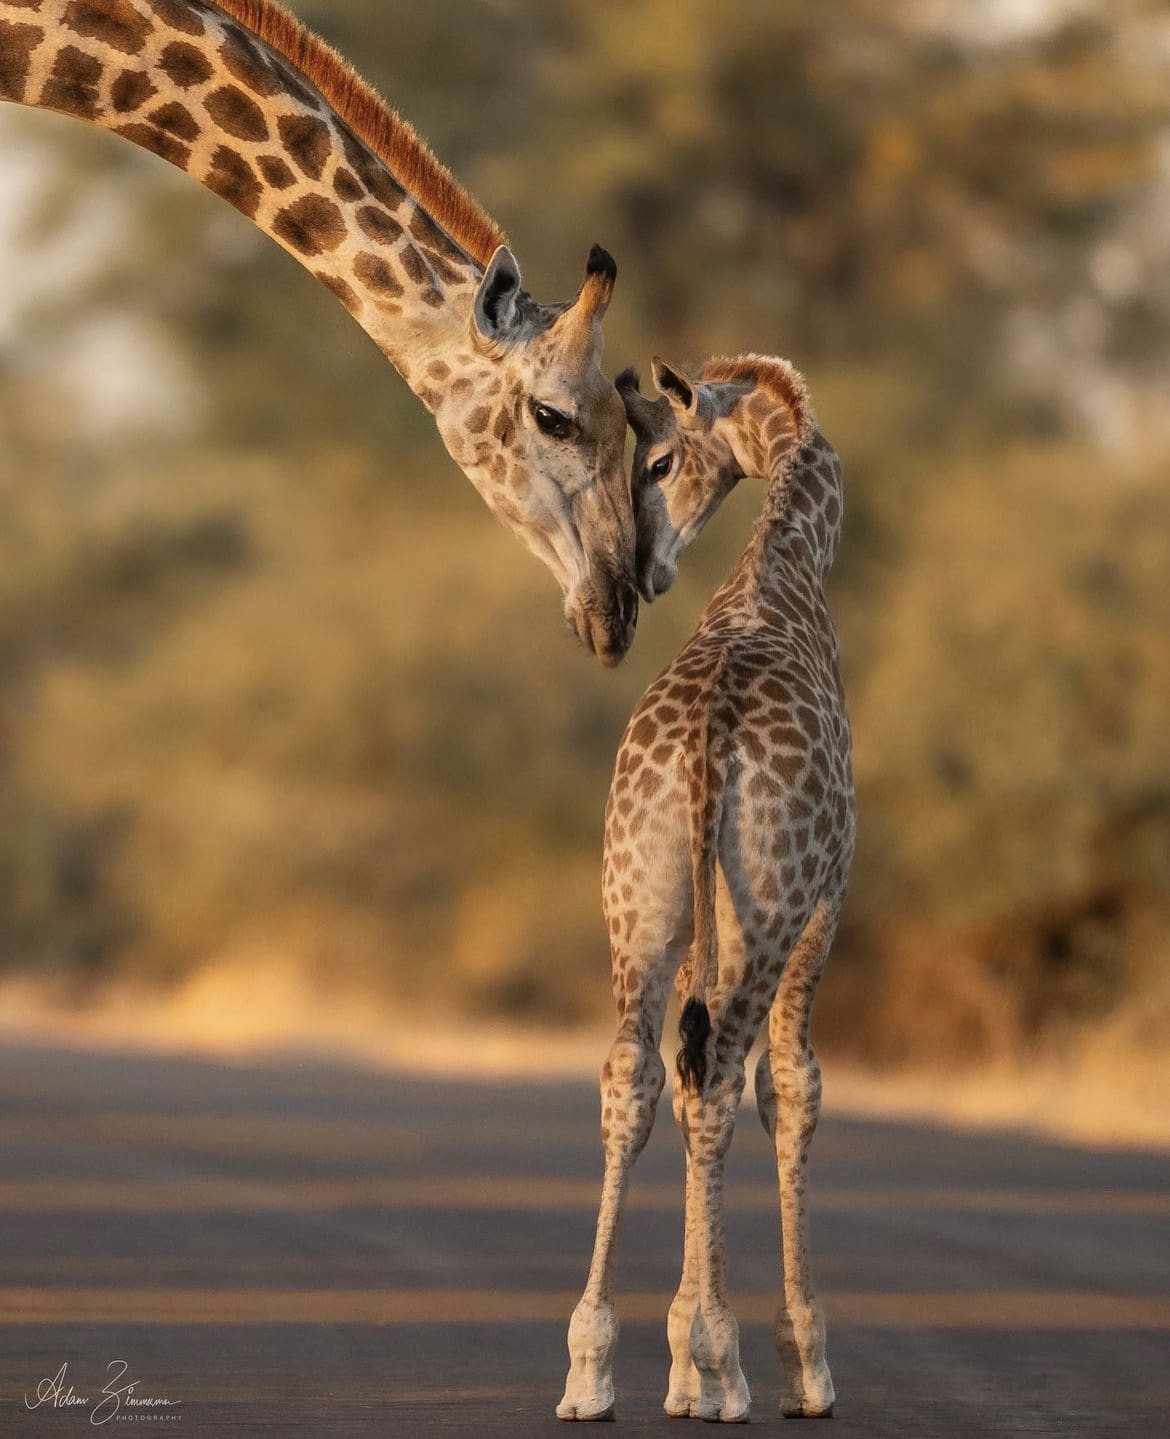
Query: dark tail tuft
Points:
[694, 1029]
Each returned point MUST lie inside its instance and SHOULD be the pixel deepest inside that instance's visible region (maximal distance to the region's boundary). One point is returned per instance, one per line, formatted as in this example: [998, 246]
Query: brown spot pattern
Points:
[424, 229]
[131, 90]
[377, 276]
[234, 179]
[378, 225]
[371, 171]
[185, 64]
[415, 266]
[308, 141]
[344, 292]
[446, 271]
[157, 141]
[346, 186]
[236, 113]
[178, 15]
[17, 43]
[176, 119]
[246, 63]
[114, 22]
[72, 87]
[310, 225]
[278, 174]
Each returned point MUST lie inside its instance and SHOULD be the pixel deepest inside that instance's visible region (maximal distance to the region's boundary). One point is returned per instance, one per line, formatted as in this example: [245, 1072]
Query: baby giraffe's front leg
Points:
[631, 1081]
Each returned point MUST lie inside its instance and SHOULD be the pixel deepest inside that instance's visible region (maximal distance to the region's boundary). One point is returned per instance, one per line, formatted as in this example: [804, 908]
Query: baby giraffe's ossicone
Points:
[729, 832]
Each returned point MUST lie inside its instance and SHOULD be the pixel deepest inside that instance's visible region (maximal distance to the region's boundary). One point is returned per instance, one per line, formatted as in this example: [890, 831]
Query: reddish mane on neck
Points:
[777, 377]
[393, 139]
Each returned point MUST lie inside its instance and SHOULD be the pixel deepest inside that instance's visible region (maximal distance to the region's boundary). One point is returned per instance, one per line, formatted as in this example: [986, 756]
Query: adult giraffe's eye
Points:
[661, 467]
[554, 423]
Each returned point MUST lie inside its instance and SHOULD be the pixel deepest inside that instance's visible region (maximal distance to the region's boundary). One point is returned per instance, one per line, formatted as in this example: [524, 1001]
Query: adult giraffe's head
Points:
[697, 440]
[525, 410]
[239, 95]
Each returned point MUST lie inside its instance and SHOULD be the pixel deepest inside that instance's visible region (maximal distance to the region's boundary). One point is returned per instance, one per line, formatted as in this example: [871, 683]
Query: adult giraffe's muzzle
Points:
[603, 613]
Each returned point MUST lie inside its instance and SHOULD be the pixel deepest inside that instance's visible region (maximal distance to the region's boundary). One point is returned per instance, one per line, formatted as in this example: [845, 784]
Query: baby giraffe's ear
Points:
[682, 394]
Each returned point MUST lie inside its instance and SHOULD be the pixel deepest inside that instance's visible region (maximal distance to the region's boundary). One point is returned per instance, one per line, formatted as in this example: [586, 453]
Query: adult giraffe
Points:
[256, 108]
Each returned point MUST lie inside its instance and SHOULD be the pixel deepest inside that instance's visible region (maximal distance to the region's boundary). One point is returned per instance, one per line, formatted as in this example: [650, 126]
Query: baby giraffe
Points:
[729, 831]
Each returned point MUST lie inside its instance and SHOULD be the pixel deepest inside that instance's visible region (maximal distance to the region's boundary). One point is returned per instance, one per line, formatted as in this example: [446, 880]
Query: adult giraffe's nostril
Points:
[579, 624]
[623, 621]
[603, 614]
[628, 609]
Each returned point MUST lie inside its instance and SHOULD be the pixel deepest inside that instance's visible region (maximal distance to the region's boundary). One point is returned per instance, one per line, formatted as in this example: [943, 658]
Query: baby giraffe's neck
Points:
[799, 525]
[795, 538]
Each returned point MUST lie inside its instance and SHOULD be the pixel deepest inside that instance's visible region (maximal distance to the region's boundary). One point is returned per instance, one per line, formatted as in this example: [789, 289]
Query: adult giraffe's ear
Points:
[682, 394]
[496, 315]
[640, 411]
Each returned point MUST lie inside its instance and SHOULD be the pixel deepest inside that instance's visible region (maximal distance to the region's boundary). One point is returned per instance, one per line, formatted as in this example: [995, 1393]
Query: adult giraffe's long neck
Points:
[254, 107]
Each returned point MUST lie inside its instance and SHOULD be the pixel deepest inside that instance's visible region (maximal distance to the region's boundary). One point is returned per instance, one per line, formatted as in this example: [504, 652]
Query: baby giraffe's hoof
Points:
[810, 1398]
[733, 1406]
[724, 1416]
[682, 1398]
[568, 1410]
[811, 1401]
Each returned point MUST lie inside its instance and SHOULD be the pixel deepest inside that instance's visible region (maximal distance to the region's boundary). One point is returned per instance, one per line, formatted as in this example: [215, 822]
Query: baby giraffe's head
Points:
[696, 441]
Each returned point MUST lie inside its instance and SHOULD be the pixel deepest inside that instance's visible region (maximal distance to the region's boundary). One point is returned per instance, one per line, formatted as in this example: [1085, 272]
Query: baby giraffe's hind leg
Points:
[631, 1082]
[788, 1094]
[708, 1120]
[682, 1396]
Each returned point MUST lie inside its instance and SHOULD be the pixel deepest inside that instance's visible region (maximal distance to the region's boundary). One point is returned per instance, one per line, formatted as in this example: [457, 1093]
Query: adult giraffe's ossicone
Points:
[256, 108]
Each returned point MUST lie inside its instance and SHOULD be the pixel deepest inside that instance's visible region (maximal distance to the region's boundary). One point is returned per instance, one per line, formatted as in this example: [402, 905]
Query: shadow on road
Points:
[308, 1249]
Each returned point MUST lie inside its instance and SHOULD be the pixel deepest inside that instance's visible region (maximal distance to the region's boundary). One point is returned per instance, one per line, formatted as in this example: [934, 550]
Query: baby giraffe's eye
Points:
[661, 467]
[554, 423]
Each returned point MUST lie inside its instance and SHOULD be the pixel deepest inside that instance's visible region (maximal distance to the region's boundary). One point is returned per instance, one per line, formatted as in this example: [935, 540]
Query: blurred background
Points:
[288, 724]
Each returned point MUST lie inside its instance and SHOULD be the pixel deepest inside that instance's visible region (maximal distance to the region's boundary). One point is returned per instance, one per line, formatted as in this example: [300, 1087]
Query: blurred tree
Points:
[270, 682]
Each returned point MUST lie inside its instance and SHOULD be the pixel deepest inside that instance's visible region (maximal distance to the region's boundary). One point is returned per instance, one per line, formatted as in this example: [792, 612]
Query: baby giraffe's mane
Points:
[776, 378]
[393, 139]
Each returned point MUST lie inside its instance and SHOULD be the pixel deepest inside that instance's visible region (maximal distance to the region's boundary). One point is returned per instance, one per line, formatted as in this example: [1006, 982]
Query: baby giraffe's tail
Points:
[705, 782]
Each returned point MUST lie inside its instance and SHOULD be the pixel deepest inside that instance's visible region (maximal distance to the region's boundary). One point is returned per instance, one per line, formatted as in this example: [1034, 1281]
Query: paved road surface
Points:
[307, 1250]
